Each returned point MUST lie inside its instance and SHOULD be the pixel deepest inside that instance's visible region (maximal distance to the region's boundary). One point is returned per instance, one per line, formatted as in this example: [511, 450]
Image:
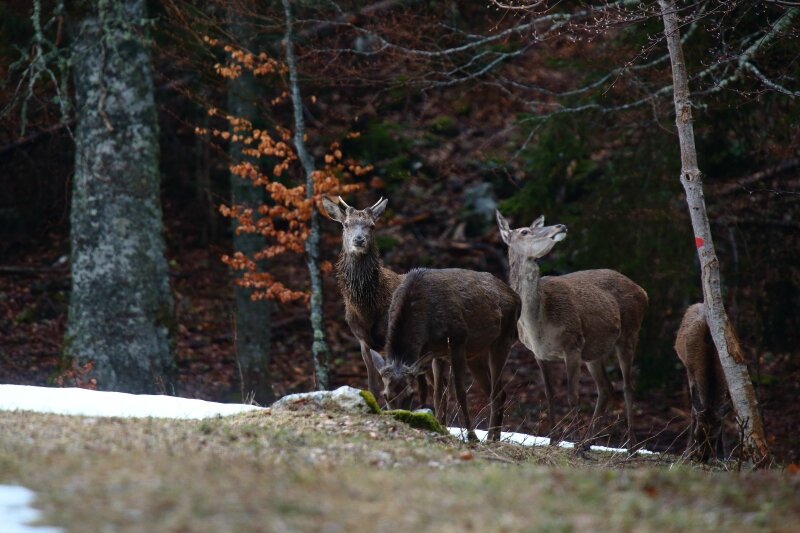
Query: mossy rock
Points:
[424, 421]
[371, 401]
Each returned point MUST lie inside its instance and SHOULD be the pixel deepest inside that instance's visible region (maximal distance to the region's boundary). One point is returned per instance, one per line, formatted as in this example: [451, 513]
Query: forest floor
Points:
[325, 471]
[33, 305]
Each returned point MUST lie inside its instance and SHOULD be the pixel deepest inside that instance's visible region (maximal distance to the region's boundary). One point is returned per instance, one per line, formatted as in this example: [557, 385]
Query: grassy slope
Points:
[322, 472]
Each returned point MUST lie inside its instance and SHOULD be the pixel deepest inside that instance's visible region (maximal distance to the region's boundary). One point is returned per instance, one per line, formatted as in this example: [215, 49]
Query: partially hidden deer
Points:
[708, 389]
[366, 285]
[465, 317]
[582, 317]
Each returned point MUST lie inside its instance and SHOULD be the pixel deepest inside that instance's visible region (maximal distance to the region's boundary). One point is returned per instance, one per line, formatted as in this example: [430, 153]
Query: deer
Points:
[366, 285]
[581, 317]
[707, 384]
[464, 317]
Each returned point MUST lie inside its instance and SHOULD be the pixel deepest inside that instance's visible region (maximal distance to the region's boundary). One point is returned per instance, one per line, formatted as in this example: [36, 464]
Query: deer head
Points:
[534, 241]
[398, 382]
[357, 224]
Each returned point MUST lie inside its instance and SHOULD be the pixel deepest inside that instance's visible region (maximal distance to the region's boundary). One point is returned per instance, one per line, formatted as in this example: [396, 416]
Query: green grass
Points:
[309, 471]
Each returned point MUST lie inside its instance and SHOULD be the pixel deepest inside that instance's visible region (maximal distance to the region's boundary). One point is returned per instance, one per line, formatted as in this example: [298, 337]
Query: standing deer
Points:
[366, 285]
[463, 316]
[707, 385]
[579, 317]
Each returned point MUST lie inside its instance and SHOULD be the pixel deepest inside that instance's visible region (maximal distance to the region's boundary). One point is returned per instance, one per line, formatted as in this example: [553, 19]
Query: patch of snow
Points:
[16, 511]
[85, 402]
[530, 440]
[344, 398]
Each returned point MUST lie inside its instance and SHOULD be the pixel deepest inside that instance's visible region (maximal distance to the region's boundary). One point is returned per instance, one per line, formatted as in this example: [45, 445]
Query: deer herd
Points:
[434, 324]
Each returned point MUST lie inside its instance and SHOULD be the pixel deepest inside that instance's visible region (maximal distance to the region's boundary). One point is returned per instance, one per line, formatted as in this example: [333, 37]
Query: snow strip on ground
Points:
[96, 403]
[529, 440]
[16, 511]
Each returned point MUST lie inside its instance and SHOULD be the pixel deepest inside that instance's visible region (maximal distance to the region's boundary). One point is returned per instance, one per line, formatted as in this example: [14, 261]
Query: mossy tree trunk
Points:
[121, 315]
[739, 384]
[253, 331]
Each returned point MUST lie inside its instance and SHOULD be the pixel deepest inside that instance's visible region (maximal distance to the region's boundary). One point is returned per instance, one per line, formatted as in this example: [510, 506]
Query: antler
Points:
[343, 202]
[376, 203]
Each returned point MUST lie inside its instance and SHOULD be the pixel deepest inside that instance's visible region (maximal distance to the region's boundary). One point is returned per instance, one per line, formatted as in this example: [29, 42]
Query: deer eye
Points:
[524, 232]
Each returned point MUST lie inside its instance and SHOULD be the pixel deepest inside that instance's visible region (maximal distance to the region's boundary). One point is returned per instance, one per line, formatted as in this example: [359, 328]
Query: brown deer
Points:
[579, 317]
[366, 285]
[707, 385]
[465, 317]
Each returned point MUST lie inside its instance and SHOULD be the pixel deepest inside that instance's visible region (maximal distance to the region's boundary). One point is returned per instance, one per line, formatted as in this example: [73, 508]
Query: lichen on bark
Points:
[120, 307]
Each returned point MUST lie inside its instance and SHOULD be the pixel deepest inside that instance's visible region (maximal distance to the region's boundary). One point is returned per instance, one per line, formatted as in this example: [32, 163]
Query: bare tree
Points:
[730, 354]
[319, 347]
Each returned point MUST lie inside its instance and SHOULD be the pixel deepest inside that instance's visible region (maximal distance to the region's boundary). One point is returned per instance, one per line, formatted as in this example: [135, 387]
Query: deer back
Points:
[586, 315]
[630, 299]
[434, 307]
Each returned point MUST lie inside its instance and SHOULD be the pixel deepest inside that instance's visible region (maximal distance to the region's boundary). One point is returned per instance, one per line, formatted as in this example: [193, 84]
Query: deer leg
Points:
[479, 368]
[422, 390]
[690, 444]
[547, 377]
[597, 369]
[625, 357]
[573, 362]
[699, 395]
[458, 363]
[440, 379]
[373, 381]
[498, 394]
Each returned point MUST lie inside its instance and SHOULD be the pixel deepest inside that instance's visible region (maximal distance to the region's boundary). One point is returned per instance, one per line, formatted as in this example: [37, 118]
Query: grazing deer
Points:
[463, 316]
[579, 317]
[366, 285]
[707, 384]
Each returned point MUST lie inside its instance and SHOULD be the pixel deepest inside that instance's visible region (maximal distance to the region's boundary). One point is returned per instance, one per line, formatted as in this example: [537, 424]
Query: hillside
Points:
[308, 470]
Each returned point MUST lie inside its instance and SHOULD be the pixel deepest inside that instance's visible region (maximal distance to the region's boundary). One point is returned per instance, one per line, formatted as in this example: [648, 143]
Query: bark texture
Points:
[319, 348]
[253, 329]
[739, 384]
[120, 309]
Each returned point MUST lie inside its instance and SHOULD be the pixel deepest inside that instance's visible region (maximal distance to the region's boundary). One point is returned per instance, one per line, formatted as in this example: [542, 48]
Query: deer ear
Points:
[502, 224]
[377, 360]
[377, 210]
[538, 223]
[333, 211]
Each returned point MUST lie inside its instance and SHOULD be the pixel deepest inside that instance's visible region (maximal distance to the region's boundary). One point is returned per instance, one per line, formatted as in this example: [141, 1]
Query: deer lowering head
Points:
[465, 317]
[707, 384]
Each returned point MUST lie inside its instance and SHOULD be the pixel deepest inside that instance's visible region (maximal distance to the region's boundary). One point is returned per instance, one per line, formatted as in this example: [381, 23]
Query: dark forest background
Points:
[449, 141]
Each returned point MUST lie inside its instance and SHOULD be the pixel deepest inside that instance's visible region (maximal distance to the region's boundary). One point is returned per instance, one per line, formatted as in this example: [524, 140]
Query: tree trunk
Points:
[739, 384]
[120, 310]
[319, 348]
[253, 328]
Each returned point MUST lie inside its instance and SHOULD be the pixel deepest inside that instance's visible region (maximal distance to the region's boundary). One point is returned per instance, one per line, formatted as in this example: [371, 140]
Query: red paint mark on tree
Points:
[699, 242]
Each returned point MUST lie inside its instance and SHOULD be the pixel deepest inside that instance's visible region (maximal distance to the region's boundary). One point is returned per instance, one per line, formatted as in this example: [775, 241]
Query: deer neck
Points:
[360, 277]
[524, 278]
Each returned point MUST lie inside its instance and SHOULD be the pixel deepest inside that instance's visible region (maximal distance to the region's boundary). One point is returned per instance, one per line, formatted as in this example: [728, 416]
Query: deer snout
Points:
[359, 240]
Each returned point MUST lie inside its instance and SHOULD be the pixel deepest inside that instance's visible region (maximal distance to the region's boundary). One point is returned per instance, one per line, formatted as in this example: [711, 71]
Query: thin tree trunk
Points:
[252, 318]
[739, 384]
[120, 314]
[319, 348]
